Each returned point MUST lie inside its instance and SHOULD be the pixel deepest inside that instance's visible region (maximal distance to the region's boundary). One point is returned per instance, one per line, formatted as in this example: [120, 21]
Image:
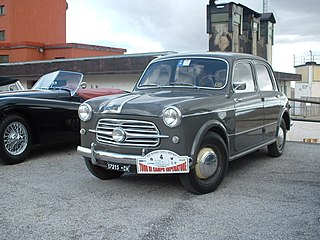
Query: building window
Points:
[2, 35]
[4, 58]
[2, 10]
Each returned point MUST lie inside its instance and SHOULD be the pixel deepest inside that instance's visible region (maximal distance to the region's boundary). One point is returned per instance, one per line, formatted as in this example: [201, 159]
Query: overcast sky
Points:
[180, 25]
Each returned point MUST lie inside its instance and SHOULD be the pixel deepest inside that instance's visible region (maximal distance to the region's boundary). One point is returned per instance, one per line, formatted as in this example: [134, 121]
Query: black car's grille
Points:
[137, 133]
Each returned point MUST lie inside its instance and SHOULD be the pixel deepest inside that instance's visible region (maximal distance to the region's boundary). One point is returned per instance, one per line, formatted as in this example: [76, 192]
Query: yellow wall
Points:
[316, 73]
[304, 71]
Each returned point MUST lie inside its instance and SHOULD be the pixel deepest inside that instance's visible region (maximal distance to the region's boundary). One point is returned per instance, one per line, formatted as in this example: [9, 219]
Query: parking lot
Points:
[53, 196]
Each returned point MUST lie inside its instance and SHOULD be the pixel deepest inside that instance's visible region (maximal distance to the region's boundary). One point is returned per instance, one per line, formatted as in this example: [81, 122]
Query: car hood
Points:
[46, 94]
[152, 103]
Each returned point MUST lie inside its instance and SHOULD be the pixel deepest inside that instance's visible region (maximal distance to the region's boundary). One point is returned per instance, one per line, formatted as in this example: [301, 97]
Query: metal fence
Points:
[305, 109]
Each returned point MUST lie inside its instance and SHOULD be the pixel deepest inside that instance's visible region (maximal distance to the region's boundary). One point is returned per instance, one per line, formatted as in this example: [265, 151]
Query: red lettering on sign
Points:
[184, 167]
[158, 169]
[177, 168]
[143, 168]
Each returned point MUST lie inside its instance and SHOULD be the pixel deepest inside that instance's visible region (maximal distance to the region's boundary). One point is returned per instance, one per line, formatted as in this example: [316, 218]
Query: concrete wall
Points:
[310, 85]
[121, 71]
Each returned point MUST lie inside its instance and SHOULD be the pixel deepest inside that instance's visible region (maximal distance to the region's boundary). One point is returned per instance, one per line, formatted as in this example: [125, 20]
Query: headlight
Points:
[85, 112]
[171, 116]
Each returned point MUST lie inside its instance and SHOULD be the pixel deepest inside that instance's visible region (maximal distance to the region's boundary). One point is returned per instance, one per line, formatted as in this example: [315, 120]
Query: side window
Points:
[243, 78]
[263, 78]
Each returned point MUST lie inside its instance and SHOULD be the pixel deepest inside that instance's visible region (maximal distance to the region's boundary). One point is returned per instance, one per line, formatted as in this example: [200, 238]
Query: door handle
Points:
[237, 100]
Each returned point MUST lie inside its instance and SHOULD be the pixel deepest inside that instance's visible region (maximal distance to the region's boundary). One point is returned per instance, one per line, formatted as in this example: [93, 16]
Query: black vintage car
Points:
[189, 114]
[45, 114]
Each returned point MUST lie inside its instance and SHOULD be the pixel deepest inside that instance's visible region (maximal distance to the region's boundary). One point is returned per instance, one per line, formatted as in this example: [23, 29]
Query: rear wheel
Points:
[276, 149]
[101, 172]
[15, 142]
[211, 166]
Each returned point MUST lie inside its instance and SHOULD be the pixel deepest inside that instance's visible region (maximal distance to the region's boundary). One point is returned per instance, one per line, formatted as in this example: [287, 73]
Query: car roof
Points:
[231, 56]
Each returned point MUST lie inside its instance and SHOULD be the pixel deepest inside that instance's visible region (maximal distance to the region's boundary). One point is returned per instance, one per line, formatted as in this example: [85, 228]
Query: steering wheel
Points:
[206, 81]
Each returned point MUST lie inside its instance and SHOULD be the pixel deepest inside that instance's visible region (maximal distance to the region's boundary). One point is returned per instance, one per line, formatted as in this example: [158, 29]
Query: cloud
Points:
[297, 18]
[180, 25]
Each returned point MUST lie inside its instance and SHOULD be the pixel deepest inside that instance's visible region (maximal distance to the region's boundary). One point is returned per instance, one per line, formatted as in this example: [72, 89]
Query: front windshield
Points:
[60, 80]
[190, 72]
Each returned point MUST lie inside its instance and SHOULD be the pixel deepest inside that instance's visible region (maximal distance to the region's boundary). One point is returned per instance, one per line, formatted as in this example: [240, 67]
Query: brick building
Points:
[36, 30]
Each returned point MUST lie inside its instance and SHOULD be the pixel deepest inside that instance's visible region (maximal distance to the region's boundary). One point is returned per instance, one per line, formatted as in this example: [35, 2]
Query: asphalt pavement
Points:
[53, 196]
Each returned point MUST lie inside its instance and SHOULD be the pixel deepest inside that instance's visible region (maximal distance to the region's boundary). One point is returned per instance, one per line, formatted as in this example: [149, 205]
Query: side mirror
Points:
[239, 86]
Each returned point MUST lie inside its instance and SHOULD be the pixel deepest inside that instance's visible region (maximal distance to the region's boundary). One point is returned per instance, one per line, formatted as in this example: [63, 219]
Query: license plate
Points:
[162, 161]
[118, 167]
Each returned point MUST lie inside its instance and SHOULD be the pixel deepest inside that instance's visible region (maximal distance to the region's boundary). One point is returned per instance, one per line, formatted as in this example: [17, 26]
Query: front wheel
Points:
[276, 149]
[101, 172]
[211, 166]
[15, 142]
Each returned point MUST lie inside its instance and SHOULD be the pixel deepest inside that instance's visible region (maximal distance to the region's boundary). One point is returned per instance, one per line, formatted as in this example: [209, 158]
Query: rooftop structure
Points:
[234, 27]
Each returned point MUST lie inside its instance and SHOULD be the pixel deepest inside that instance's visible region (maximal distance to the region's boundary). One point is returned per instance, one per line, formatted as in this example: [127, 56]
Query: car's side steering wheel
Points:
[207, 81]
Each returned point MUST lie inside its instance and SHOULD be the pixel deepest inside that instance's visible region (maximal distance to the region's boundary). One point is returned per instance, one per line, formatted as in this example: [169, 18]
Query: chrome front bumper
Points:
[94, 154]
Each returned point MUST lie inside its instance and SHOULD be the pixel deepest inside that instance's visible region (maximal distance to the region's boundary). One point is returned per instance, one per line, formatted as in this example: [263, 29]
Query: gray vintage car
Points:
[189, 114]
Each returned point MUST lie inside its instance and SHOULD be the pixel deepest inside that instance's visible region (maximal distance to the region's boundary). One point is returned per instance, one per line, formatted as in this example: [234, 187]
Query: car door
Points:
[248, 106]
[271, 98]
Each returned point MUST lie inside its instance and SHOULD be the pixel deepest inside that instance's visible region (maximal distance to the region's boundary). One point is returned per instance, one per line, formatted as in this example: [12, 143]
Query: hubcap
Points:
[15, 138]
[207, 163]
[280, 138]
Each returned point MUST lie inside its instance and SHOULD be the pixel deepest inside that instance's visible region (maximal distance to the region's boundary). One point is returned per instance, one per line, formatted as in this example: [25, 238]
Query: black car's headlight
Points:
[171, 116]
[85, 112]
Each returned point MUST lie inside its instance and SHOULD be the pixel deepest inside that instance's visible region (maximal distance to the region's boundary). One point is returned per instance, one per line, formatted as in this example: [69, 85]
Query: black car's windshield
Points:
[63, 80]
[190, 72]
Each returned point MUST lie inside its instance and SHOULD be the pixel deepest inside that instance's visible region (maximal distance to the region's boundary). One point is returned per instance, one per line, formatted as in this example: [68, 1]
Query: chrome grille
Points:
[138, 133]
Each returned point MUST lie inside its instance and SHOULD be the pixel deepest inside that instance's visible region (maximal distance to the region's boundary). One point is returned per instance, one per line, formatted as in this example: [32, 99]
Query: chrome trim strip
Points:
[250, 130]
[120, 106]
[254, 129]
[106, 156]
[208, 112]
[225, 110]
[270, 124]
[252, 150]
[138, 133]
[131, 135]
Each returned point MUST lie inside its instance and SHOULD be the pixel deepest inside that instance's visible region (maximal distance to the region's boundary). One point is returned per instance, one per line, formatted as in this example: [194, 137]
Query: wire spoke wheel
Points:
[15, 138]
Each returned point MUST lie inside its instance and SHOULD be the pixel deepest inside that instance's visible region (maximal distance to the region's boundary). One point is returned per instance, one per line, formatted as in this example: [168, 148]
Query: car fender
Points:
[286, 116]
[211, 125]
